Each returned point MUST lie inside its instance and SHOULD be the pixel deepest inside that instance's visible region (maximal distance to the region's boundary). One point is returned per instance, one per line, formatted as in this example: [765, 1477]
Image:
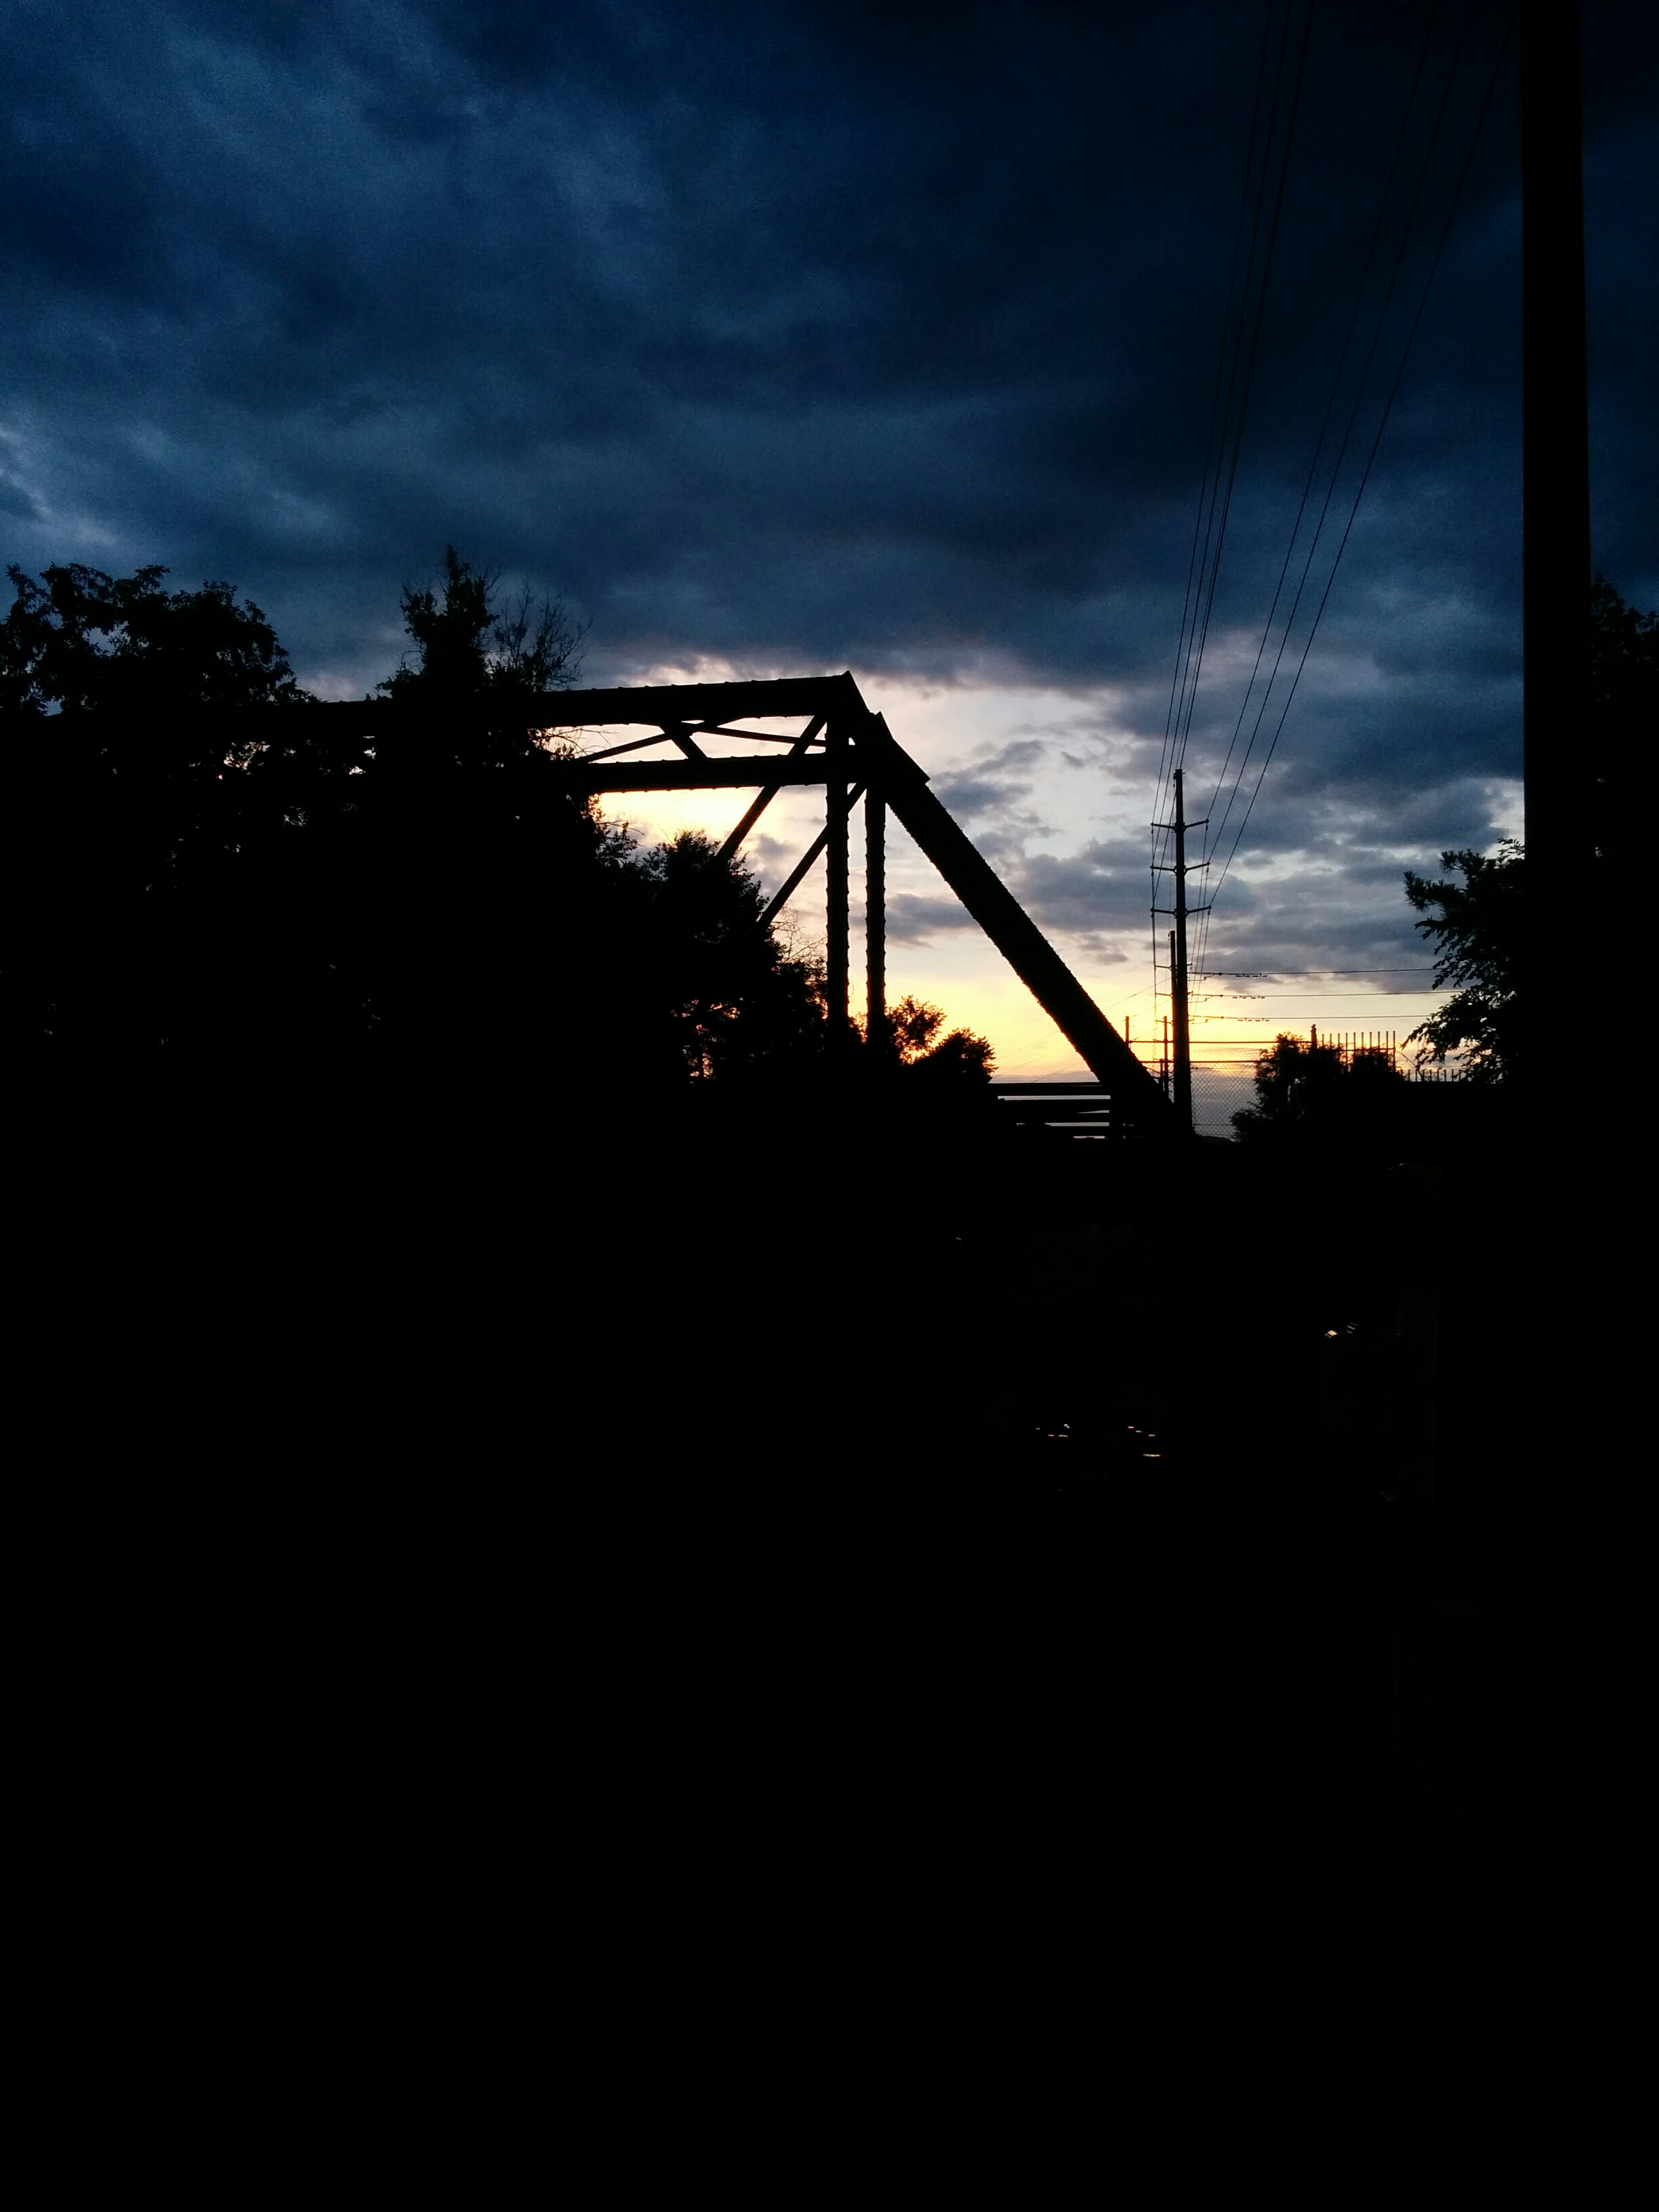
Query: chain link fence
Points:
[1220, 1089]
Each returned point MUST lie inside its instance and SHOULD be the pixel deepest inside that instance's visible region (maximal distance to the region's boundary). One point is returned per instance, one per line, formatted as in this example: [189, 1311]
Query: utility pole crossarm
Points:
[1182, 1092]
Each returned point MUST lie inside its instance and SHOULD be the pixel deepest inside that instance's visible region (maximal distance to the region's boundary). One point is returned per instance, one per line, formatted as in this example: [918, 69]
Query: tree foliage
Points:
[1474, 914]
[739, 999]
[466, 649]
[1625, 712]
[137, 822]
[205, 869]
[914, 1032]
[78, 642]
[1303, 1086]
[1475, 926]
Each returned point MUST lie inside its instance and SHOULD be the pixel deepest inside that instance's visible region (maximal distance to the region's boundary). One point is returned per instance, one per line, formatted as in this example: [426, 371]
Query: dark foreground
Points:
[796, 1474]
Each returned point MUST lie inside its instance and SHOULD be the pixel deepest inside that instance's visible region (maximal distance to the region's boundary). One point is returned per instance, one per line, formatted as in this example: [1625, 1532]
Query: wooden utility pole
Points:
[1182, 1092]
[1573, 1383]
[1184, 1042]
[1555, 462]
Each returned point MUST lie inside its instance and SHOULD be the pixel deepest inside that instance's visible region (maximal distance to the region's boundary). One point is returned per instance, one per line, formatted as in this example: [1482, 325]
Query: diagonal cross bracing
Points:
[848, 745]
[1012, 931]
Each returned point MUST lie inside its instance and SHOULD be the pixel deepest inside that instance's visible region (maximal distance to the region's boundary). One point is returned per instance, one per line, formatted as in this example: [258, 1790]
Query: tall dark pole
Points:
[1555, 447]
[1557, 1545]
[875, 921]
[1183, 1050]
[836, 915]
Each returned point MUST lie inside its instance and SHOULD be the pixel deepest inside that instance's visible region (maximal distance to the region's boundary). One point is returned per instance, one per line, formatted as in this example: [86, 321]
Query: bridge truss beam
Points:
[849, 749]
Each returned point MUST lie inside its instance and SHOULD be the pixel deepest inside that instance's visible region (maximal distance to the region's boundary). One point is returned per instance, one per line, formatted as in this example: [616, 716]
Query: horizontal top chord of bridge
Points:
[844, 744]
[683, 716]
[669, 706]
[719, 772]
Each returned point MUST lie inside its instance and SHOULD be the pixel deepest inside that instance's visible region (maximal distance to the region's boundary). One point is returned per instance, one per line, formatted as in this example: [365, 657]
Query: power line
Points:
[1400, 251]
[1227, 364]
[1411, 335]
[1427, 991]
[1209, 527]
[1257, 316]
[1267, 975]
[1193, 564]
[1330, 408]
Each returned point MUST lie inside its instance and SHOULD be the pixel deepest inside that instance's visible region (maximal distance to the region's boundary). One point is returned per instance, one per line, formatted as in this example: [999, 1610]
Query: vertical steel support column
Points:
[875, 919]
[836, 919]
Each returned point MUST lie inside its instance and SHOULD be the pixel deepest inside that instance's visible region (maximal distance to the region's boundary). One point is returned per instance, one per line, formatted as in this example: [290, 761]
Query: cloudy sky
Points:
[782, 337]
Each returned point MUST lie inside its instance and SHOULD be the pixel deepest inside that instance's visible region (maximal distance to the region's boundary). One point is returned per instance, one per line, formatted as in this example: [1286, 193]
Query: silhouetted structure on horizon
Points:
[851, 751]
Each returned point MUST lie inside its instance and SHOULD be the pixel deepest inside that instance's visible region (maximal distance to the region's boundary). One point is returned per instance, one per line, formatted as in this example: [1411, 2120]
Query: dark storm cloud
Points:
[1104, 886]
[802, 337]
[912, 920]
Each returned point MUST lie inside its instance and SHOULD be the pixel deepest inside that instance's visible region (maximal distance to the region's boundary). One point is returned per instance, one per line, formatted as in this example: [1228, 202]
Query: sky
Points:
[785, 338]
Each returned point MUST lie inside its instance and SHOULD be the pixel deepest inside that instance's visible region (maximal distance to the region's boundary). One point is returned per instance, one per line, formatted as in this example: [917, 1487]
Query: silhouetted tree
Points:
[1317, 1089]
[741, 1002]
[1625, 712]
[922, 1054]
[191, 879]
[204, 871]
[78, 642]
[1476, 924]
[129, 797]
[504, 935]
[466, 650]
[1476, 932]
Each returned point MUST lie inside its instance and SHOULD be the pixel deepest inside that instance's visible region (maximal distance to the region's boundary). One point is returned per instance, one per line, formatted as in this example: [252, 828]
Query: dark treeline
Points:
[1474, 916]
[1473, 913]
[433, 902]
[495, 1363]
[1306, 1089]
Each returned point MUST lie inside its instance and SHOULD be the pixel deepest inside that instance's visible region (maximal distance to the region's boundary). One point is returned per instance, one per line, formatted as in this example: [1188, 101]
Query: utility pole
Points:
[1575, 1389]
[1183, 1047]
[1555, 468]
[1183, 1042]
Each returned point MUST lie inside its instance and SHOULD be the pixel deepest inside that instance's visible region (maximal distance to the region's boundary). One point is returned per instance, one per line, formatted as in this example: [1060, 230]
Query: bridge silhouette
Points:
[850, 751]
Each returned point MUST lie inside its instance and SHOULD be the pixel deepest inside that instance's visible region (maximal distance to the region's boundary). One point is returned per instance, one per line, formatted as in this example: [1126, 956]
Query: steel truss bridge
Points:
[850, 752]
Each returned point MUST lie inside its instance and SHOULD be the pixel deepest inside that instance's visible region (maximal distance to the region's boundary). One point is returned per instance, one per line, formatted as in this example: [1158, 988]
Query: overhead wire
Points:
[1218, 526]
[1215, 438]
[1218, 831]
[1215, 395]
[1224, 436]
[1429, 26]
[1371, 459]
